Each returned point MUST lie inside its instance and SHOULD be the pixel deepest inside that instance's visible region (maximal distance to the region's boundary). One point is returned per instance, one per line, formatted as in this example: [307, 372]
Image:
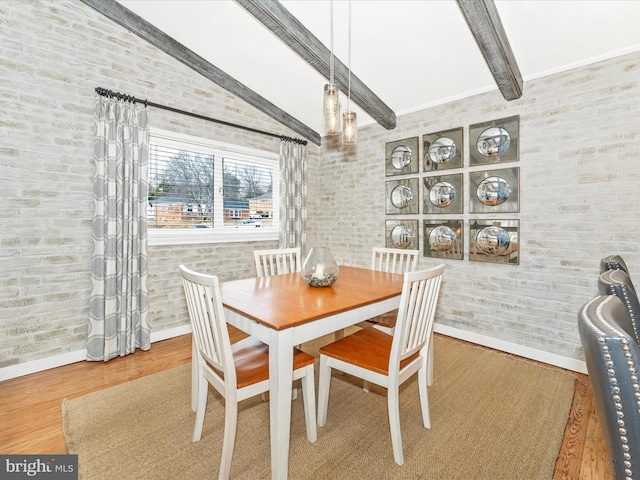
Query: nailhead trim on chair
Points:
[634, 322]
[634, 378]
[616, 397]
[625, 293]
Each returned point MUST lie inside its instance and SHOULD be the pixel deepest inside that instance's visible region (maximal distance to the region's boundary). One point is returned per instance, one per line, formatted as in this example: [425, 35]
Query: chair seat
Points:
[368, 348]
[251, 359]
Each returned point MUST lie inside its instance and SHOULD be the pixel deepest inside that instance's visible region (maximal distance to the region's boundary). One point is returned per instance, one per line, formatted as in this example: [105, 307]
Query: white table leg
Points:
[280, 380]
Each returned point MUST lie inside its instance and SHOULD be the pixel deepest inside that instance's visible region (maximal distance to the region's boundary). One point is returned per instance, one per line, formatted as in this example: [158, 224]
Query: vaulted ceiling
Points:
[405, 55]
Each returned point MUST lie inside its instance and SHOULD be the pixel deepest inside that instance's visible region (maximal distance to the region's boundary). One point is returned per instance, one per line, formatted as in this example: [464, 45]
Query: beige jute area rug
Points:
[493, 417]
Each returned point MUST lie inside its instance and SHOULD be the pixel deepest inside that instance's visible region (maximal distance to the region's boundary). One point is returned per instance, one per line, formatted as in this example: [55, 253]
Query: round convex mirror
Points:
[493, 141]
[401, 157]
[493, 241]
[442, 150]
[401, 236]
[401, 196]
[493, 191]
[442, 194]
[442, 239]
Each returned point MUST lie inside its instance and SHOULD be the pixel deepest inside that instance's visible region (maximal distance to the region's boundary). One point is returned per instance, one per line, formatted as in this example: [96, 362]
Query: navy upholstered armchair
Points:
[613, 262]
[613, 357]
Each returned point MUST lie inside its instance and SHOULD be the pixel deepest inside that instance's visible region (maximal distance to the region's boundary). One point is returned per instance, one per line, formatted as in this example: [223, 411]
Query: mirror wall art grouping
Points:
[431, 189]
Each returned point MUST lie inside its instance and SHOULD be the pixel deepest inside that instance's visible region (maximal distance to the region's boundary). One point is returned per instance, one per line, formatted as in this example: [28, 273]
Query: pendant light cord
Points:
[331, 62]
[349, 87]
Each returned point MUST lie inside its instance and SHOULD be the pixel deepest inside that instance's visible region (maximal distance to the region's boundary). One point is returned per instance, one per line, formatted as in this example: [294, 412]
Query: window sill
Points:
[200, 236]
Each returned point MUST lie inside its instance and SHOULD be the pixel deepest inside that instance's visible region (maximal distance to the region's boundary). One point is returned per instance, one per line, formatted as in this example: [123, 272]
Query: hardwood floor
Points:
[30, 407]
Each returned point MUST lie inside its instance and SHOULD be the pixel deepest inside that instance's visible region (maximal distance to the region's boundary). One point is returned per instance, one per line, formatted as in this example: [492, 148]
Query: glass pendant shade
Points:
[349, 128]
[331, 108]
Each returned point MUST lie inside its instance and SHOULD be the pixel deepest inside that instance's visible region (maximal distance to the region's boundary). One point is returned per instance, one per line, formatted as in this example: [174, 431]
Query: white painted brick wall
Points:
[52, 56]
[579, 200]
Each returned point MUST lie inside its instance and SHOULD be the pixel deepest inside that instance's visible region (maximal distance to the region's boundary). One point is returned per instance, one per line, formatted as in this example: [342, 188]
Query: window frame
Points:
[220, 151]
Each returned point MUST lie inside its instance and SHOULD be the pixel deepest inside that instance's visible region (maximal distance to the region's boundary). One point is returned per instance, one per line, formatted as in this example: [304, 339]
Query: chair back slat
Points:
[394, 260]
[416, 314]
[210, 333]
[277, 261]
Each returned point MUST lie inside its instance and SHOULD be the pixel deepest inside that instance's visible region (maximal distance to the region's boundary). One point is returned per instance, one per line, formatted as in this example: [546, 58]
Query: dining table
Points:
[284, 311]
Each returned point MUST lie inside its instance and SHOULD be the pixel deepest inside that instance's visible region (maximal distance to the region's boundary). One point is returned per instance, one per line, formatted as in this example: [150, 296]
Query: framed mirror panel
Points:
[442, 194]
[496, 141]
[401, 234]
[402, 196]
[495, 191]
[443, 239]
[401, 157]
[442, 150]
[494, 241]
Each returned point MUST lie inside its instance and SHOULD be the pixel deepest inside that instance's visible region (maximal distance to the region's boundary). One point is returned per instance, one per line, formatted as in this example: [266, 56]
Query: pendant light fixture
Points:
[331, 103]
[349, 121]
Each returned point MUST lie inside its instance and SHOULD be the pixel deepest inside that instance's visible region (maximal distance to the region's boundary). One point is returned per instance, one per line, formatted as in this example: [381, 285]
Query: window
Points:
[202, 191]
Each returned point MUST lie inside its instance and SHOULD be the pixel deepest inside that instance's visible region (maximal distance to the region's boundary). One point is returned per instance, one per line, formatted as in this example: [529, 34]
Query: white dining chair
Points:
[391, 260]
[277, 261]
[237, 371]
[394, 260]
[385, 360]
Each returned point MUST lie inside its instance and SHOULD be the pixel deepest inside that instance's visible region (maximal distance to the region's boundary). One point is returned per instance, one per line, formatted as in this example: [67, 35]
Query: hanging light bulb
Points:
[331, 109]
[349, 128]
[349, 120]
[331, 103]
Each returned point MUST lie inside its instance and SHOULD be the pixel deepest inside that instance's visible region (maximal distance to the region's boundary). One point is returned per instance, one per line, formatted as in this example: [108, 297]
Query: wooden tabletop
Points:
[284, 301]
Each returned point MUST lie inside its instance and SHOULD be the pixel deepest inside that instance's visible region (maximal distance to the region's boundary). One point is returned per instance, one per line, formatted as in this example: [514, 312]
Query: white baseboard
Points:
[34, 366]
[14, 371]
[27, 368]
[514, 348]
[170, 333]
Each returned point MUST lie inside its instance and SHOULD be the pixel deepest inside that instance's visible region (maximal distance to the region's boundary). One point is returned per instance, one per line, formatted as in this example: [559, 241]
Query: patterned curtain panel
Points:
[293, 194]
[118, 307]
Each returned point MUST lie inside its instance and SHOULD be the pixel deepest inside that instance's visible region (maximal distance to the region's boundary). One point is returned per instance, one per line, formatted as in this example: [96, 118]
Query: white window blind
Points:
[209, 191]
[181, 187]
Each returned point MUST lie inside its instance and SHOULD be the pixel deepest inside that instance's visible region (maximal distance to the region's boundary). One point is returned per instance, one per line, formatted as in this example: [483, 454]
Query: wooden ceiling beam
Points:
[485, 24]
[137, 25]
[296, 36]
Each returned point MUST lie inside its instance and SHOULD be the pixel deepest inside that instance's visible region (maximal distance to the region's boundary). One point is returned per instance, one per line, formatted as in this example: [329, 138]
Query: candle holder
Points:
[320, 268]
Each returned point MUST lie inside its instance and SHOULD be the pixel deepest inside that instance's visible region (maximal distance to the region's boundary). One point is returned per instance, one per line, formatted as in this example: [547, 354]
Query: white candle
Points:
[319, 270]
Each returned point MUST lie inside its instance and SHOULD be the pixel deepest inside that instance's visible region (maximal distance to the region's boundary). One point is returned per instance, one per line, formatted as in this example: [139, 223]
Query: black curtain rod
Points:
[128, 98]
